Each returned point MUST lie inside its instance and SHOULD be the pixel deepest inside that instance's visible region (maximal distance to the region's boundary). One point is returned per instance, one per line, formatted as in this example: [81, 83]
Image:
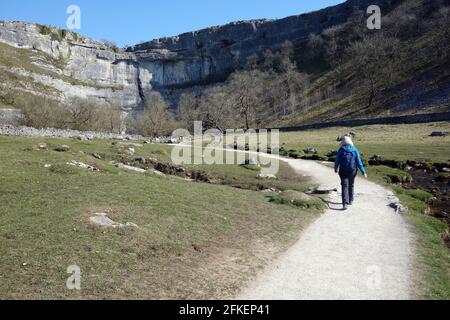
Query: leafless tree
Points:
[374, 61]
[156, 119]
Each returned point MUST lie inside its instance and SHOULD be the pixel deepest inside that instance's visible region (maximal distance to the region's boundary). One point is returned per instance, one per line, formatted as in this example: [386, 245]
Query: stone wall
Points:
[408, 119]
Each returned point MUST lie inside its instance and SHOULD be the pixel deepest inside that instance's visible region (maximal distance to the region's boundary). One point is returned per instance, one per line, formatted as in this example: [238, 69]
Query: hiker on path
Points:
[348, 161]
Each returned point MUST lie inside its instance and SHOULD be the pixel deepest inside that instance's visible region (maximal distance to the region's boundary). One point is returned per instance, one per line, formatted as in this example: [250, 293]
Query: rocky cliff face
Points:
[78, 66]
[168, 64]
[209, 54]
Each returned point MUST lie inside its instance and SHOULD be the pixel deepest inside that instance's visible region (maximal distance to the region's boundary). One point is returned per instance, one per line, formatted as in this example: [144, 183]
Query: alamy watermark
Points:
[230, 147]
[374, 19]
[73, 22]
[373, 281]
[74, 280]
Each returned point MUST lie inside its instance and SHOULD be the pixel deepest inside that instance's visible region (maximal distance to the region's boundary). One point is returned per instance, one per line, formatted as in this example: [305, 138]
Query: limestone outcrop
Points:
[89, 68]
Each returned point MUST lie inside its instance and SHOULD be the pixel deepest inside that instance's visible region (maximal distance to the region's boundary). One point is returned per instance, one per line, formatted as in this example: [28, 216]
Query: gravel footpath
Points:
[363, 253]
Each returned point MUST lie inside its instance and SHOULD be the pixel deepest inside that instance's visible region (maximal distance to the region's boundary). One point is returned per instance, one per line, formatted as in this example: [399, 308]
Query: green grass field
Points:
[194, 240]
[393, 142]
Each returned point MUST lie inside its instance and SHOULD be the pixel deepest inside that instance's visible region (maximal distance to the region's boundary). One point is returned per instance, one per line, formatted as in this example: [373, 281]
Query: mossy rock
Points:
[295, 154]
[297, 199]
[315, 157]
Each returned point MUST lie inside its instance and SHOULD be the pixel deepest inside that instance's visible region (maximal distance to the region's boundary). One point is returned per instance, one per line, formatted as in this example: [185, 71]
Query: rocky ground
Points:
[9, 130]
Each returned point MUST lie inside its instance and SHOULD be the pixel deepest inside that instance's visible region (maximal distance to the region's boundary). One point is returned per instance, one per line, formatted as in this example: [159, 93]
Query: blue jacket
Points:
[358, 158]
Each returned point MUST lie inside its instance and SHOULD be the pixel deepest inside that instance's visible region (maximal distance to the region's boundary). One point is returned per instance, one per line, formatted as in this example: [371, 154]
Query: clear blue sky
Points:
[133, 21]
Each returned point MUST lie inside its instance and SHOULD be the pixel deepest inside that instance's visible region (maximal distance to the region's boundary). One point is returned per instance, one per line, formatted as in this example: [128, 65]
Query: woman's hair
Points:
[346, 141]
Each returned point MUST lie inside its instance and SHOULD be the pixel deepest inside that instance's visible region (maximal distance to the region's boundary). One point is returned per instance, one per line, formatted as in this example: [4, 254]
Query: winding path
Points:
[363, 253]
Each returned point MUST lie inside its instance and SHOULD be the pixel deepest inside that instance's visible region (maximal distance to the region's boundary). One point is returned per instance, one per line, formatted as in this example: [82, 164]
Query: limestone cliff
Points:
[72, 64]
[83, 67]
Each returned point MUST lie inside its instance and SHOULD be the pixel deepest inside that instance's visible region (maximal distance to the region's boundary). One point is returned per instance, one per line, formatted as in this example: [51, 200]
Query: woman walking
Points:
[348, 161]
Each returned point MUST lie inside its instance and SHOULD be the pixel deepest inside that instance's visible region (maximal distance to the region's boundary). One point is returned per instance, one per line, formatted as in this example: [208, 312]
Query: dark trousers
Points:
[348, 186]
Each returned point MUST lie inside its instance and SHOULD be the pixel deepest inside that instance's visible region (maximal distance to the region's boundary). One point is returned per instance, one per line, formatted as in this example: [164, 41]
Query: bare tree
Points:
[216, 109]
[374, 60]
[156, 119]
[188, 109]
[246, 90]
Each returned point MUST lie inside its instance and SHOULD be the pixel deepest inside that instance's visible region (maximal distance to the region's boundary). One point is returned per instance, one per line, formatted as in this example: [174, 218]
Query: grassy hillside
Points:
[343, 72]
[194, 240]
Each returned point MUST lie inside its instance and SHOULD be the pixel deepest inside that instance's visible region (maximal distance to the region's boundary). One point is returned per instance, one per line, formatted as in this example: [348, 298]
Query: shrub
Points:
[155, 120]
[79, 114]
[44, 30]
[42, 112]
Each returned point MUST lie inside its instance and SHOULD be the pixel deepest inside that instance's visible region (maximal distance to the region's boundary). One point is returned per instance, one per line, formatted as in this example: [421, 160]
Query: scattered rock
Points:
[82, 165]
[181, 170]
[269, 190]
[321, 190]
[86, 137]
[376, 157]
[439, 134]
[21, 131]
[63, 148]
[131, 151]
[141, 160]
[130, 168]
[101, 219]
[131, 224]
[251, 162]
[446, 235]
[315, 157]
[267, 176]
[399, 208]
[97, 156]
[42, 146]
[310, 151]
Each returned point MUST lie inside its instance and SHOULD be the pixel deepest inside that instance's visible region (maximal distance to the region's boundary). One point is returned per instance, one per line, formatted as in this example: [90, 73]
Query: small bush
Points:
[62, 33]
[55, 36]
[44, 30]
